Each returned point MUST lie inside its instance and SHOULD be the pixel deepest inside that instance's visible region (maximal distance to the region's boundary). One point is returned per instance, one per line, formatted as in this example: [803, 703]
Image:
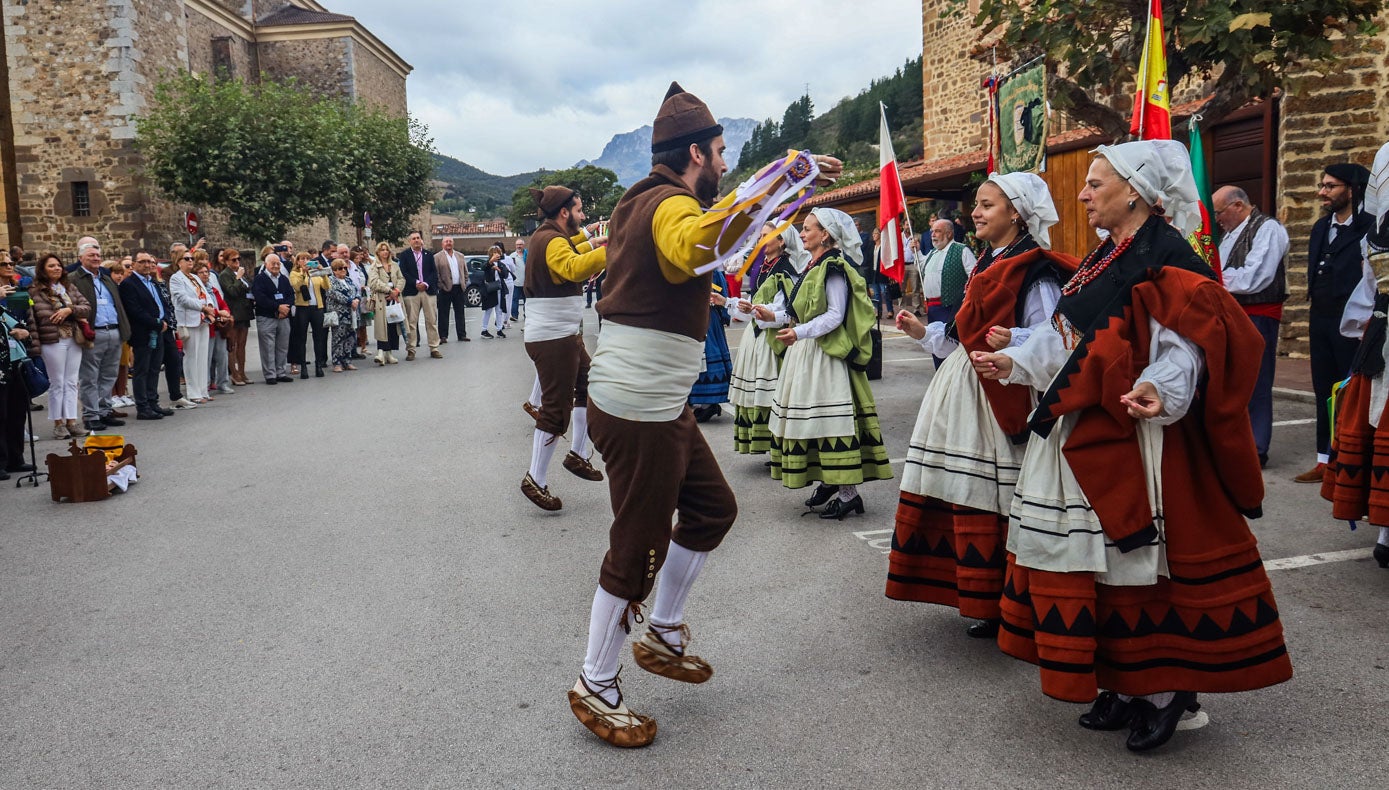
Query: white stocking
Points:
[542, 450]
[580, 443]
[1384, 536]
[847, 493]
[681, 568]
[1160, 700]
[534, 399]
[605, 640]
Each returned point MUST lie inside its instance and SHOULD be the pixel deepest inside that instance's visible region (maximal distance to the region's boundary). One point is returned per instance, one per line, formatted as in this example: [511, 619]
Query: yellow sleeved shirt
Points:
[567, 265]
[681, 244]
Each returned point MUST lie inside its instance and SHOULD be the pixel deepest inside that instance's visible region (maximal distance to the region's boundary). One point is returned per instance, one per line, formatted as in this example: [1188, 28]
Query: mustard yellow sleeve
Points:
[566, 265]
[581, 242]
[681, 244]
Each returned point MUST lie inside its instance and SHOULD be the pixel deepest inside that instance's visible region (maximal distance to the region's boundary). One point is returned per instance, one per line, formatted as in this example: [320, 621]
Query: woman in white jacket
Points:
[193, 311]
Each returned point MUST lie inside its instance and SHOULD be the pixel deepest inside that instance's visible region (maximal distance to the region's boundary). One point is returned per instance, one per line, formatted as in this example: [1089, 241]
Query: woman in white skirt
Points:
[824, 423]
[756, 364]
[193, 314]
[962, 464]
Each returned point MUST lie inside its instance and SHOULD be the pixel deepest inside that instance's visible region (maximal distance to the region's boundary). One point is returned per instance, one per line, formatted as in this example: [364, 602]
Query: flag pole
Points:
[1143, 66]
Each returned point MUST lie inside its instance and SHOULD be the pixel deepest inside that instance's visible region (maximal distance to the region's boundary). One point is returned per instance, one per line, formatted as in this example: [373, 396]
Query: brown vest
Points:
[540, 284]
[635, 292]
[1276, 291]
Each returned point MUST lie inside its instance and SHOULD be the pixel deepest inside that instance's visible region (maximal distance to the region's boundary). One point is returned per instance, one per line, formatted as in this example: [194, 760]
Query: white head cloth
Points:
[1160, 171]
[1032, 200]
[843, 230]
[795, 250]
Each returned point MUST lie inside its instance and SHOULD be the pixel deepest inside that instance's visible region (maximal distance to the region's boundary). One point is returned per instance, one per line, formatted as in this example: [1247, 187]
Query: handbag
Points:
[35, 376]
[875, 362]
[395, 313]
[330, 319]
[88, 333]
[491, 286]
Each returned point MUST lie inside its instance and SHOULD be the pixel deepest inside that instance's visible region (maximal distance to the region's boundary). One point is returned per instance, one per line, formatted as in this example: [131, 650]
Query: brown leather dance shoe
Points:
[658, 657]
[1313, 475]
[615, 724]
[581, 467]
[542, 497]
[531, 410]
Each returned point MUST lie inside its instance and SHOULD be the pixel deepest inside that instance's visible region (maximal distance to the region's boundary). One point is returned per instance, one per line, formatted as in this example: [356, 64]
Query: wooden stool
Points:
[81, 475]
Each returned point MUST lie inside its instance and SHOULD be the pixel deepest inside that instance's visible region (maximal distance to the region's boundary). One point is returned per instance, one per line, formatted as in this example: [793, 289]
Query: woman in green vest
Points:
[824, 424]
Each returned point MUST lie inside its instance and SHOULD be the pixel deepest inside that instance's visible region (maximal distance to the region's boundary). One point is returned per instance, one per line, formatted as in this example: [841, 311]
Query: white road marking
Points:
[1282, 423]
[1287, 563]
[922, 358]
[880, 539]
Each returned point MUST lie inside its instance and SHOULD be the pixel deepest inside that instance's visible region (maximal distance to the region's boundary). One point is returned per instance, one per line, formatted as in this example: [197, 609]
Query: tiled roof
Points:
[492, 227]
[293, 15]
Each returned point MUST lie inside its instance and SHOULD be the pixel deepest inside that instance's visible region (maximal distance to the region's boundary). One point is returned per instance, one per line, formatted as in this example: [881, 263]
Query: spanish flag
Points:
[1152, 117]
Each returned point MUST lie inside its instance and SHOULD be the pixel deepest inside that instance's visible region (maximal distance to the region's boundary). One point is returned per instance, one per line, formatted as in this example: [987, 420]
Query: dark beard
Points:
[571, 226]
[706, 187]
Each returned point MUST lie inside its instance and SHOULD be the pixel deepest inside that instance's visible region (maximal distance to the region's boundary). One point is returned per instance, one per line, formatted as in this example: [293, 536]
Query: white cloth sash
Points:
[643, 375]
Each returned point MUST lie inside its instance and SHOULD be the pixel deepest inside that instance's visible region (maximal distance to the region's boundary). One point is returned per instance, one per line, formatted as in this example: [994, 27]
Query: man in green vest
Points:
[944, 271]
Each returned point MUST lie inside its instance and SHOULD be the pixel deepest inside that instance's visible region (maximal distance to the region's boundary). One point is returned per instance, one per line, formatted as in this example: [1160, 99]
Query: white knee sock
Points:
[580, 443]
[682, 567]
[1384, 536]
[605, 640]
[534, 399]
[847, 492]
[1160, 700]
[542, 450]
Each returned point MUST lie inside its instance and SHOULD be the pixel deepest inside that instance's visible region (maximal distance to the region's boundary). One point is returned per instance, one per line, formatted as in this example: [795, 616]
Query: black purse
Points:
[35, 375]
[875, 362]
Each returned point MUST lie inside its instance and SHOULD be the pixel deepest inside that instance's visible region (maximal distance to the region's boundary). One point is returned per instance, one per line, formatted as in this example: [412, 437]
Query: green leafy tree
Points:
[795, 123]
[265, 152]
[597, 186]
[1246, 45]
[391, 162]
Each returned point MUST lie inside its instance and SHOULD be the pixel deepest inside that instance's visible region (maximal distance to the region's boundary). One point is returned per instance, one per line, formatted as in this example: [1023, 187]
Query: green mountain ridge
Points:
[467, 187]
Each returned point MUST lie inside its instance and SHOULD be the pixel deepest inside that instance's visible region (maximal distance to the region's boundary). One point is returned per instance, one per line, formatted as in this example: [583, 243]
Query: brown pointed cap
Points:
[683, 119]
[552, 198]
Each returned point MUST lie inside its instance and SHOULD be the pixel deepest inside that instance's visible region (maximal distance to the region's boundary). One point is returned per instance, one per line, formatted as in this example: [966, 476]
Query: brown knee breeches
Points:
[656, 470]
[562, 367]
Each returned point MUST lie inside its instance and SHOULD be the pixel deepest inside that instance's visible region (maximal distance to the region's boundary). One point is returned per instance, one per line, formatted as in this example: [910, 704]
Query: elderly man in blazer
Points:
[421, 284]
[453, 284]
[149, 314]
[273, 297]
[102, 360]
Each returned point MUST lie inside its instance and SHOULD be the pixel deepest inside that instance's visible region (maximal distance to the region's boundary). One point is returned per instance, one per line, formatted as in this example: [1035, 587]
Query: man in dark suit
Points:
[148, 314]
[1336, 261]
[324, 260]
[273, 296]
[102, 359]
[421, 284]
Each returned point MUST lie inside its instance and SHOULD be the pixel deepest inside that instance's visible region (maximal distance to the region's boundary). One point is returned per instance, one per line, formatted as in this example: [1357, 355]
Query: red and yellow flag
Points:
[1152, 116]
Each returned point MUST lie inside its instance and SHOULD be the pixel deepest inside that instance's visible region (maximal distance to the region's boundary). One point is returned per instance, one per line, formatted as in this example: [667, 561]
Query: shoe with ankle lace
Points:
[614, 723]
[661, 651]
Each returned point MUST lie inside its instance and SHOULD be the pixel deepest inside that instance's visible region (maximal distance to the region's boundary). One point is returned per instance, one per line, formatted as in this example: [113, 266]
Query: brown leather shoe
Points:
[531, 410]
[615, 724]
[542, 497]
[1313, 475]
[118, 414]
[581, 467]
[410, 355]
[659, 657]
[436, 354]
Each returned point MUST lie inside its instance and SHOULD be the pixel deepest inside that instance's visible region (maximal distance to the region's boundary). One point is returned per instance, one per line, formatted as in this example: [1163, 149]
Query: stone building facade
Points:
[1275, 150]
[74, 77]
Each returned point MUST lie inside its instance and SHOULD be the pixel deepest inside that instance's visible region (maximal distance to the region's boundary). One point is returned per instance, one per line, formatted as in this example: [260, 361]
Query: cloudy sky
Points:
[513, 85]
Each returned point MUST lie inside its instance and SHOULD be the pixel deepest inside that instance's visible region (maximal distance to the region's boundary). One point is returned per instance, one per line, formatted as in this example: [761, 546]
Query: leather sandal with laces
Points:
[659, 657]
[616, 724]
[581, 467]
[530, 409]
[542, 497]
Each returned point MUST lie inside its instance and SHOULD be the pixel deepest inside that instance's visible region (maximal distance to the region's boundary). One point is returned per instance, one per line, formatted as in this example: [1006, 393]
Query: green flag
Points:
[1203, 238]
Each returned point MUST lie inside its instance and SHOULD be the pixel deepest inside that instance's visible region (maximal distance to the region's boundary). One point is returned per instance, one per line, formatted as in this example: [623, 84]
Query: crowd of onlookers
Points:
[102, 331]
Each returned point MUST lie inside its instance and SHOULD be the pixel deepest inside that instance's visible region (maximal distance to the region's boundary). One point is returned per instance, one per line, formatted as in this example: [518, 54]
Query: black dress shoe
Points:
[148, 415]
[1153, 727]
[984, 629]
[21, 468]
[164, 412]
[317, 372]
[4, 475]
[838, 509]
[113, 421]
[285, 379]
[94, 426]
[1108, 713]
[272, 381]
[1382, 555]
[303, 371]
[823, 494]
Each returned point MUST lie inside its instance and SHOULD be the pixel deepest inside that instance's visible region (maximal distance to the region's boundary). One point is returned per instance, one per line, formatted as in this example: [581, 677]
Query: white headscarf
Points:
[1032, 200]
[842, 229]
[1160, 171]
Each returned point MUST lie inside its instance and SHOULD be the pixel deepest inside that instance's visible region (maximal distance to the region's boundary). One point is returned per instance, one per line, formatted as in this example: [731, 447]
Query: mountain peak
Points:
[629, 154]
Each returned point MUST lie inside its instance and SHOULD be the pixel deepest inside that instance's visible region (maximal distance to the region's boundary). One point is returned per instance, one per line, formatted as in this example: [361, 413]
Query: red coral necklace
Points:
[1090, 269]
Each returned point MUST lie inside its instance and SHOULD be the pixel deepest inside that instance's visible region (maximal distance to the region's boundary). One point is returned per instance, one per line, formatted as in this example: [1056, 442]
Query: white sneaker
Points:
[184, 403]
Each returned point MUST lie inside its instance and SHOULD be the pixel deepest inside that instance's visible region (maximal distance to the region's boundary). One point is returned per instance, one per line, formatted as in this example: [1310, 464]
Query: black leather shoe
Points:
[1153, 727]
[318, 371]
[1108, 713]
[823, 494]
[94, 426]
[272, 381]
[285, 379]
[149, 415]
[164, 412]
[984, 629]
[113, 421]
[303, 371]
[21, 468]
[1382, 555]
[4, 475]
[838, 508]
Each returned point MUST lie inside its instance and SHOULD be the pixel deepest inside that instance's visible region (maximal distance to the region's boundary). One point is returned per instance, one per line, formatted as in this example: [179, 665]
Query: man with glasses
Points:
[102, 358]
[1253, 249]
[149, 312]
[1336, 264]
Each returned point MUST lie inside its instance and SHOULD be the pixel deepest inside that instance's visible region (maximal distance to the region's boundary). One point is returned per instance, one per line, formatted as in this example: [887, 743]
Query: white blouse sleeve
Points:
[1037, 361]
[778, 308]
[837, 294]
[1037, 308]
[1360, 304]
[936, 342]
[1175, 369]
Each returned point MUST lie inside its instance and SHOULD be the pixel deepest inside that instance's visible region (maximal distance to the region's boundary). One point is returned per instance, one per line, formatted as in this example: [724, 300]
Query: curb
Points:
[1300, 396]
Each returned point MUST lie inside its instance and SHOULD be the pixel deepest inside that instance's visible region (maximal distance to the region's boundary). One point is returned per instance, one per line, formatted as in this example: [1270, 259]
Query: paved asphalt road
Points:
[337, 583]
